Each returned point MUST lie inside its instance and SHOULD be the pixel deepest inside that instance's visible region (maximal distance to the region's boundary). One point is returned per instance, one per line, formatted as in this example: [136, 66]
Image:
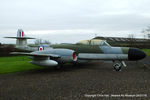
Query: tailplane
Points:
[21, 38]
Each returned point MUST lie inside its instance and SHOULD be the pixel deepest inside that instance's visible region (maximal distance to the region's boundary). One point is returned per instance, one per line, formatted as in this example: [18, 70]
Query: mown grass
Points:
[15, 64]
[147, 51]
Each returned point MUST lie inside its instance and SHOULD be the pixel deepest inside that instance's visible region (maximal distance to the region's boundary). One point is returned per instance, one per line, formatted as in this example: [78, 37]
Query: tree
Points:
[40, 41]
[146, 32]
[148, 36]
[131, 39]
[46, 42]
[131, 36]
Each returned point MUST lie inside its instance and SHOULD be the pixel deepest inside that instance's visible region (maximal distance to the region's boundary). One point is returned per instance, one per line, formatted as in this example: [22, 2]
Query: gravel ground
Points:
[95, 79]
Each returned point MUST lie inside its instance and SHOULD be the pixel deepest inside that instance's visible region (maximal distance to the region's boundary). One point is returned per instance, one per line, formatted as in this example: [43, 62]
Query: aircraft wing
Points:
[49, 58]
[35, 54]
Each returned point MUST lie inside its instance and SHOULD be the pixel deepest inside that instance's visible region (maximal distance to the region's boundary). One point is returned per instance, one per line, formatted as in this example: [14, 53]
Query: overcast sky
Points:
[73, 20]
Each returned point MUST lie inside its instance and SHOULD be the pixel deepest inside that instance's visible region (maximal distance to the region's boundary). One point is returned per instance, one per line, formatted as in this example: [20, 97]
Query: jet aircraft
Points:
[81, 52]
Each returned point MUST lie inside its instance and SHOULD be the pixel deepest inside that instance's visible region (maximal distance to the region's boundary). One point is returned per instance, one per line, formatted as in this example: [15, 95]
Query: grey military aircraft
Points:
[81, 52]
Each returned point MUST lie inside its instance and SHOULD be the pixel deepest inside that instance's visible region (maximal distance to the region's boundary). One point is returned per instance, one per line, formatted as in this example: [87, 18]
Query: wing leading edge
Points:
[35, 54]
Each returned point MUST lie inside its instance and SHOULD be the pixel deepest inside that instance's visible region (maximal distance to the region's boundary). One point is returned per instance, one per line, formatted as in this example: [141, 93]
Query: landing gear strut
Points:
[59, 66]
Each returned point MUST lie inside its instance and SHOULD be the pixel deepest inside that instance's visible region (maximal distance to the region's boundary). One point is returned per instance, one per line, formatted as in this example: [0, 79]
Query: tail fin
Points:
[20, 33]
[21, 38]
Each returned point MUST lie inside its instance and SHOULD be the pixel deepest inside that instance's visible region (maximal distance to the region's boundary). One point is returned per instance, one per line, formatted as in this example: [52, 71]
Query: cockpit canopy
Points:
[93, 42]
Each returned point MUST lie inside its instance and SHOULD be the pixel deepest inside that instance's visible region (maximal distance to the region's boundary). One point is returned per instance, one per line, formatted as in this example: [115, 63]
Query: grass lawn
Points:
[147, 51]
[16, 64]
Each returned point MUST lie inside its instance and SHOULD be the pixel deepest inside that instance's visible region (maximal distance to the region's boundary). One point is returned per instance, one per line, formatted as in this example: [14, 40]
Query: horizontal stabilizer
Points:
[20, 37]
[35, 54]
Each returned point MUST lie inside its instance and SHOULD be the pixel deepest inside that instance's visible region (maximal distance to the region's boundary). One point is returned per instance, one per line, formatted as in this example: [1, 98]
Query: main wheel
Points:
[75, 64]
[59, 66]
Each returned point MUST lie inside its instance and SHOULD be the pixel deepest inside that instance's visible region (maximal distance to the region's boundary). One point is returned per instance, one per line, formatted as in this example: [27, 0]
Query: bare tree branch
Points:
[40, 41]
[146, 32]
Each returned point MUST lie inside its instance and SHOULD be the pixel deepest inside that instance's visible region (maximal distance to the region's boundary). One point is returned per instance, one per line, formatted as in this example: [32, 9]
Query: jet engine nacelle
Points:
[65, 55]
[68, 58]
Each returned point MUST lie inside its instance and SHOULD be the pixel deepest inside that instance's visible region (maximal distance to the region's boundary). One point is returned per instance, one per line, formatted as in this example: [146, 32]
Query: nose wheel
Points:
[117, 66]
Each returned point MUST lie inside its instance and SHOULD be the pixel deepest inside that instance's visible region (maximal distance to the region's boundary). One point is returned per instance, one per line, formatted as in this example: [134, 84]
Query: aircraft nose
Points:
[135, 54]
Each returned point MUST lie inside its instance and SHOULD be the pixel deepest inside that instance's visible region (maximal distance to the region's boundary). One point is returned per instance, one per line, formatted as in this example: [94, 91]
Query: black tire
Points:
[59, 66]
[75, 64]
[117, 66]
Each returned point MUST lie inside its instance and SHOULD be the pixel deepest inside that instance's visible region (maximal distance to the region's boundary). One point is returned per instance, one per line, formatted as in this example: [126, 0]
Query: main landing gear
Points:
[117, 66]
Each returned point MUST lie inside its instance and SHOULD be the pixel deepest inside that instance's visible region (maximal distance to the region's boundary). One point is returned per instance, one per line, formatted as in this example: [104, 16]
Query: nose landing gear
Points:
[118, 66]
